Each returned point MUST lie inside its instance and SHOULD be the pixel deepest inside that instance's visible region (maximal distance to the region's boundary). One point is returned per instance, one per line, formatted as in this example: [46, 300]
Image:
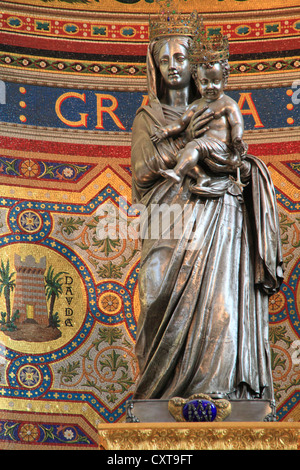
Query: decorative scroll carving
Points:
[204, 436]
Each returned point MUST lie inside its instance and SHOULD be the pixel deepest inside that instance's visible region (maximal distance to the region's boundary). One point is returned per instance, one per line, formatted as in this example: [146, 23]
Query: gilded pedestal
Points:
[200, 436]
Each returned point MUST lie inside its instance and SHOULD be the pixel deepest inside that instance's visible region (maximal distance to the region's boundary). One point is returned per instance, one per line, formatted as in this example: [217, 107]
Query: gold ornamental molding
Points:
[200, 436]
[133, 83]
[78, 80]
[214, 7]
[22, 131]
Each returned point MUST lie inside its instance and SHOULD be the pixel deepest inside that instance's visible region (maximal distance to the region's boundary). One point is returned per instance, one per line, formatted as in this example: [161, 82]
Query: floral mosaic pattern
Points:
[32, 433]
[42, 170]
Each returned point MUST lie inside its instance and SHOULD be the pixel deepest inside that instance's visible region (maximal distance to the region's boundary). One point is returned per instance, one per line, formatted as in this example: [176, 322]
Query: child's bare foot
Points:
[170, 174]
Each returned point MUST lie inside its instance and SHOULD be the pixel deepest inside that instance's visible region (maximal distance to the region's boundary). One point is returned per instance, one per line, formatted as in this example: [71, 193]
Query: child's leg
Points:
[187, 161]
[188, 164]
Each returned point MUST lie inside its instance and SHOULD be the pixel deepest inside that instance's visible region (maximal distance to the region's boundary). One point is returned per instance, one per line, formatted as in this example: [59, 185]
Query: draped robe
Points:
[205, 277]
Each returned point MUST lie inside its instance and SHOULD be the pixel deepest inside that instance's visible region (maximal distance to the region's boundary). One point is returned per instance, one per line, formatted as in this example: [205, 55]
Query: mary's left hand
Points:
[221, 164]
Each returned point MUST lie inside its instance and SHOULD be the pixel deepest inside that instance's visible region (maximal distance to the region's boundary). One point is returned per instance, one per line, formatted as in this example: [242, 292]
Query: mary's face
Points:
[174, 65]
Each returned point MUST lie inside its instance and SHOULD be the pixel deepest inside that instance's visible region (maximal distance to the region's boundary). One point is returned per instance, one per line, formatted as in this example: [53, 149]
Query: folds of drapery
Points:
[204, 277]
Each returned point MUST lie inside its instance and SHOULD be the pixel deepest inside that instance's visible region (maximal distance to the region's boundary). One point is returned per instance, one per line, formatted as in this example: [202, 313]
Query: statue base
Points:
[156, 411]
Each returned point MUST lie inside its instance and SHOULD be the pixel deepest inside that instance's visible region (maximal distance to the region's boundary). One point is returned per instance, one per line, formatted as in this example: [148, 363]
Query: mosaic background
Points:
[72, 76]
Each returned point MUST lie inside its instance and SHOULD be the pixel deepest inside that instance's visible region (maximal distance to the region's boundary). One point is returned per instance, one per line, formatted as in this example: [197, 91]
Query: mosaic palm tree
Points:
[53, 291]
[7, 285]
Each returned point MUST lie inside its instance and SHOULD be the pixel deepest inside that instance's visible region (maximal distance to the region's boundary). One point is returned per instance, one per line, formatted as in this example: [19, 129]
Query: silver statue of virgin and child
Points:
[202, 335]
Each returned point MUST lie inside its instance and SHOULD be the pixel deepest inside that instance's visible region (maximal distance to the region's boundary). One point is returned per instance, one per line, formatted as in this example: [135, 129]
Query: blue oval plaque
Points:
[199, 410]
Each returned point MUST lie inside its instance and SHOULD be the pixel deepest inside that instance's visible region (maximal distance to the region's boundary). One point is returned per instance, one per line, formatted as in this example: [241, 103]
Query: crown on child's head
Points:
[170, 22]
[207, 49]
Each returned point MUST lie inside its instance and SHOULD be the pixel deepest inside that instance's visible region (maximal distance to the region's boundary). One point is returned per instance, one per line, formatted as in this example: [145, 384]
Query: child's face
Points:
[210, 81]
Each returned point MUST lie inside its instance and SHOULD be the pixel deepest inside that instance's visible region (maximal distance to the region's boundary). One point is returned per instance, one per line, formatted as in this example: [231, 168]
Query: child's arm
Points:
[175, 127]
[236, 122]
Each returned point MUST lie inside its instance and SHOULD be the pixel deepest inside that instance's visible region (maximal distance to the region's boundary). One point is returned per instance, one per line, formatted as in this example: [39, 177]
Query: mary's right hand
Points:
[197, 125]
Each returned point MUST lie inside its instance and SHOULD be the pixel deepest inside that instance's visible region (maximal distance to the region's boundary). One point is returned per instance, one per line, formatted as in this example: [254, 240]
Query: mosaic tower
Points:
[29, 296]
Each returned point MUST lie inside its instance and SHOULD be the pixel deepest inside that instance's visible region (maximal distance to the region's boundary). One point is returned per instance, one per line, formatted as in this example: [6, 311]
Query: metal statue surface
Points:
[206, 276]
[224, 131]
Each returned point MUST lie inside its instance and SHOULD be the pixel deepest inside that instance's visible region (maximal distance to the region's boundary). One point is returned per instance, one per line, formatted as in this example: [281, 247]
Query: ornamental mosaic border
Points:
[138, 32]
[51, 434]
[62, 65]
[134, 69]
[286, 202]
[43, 170]
[285, 408]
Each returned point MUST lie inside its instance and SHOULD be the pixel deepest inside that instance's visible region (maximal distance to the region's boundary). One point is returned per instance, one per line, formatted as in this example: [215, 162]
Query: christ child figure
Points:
[223, 135]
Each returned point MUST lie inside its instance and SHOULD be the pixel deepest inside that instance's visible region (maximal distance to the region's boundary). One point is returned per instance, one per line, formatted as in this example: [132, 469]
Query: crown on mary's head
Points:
[170, 22]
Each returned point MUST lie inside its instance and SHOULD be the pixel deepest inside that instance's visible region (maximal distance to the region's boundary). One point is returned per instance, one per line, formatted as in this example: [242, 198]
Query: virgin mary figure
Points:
[208, 262]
